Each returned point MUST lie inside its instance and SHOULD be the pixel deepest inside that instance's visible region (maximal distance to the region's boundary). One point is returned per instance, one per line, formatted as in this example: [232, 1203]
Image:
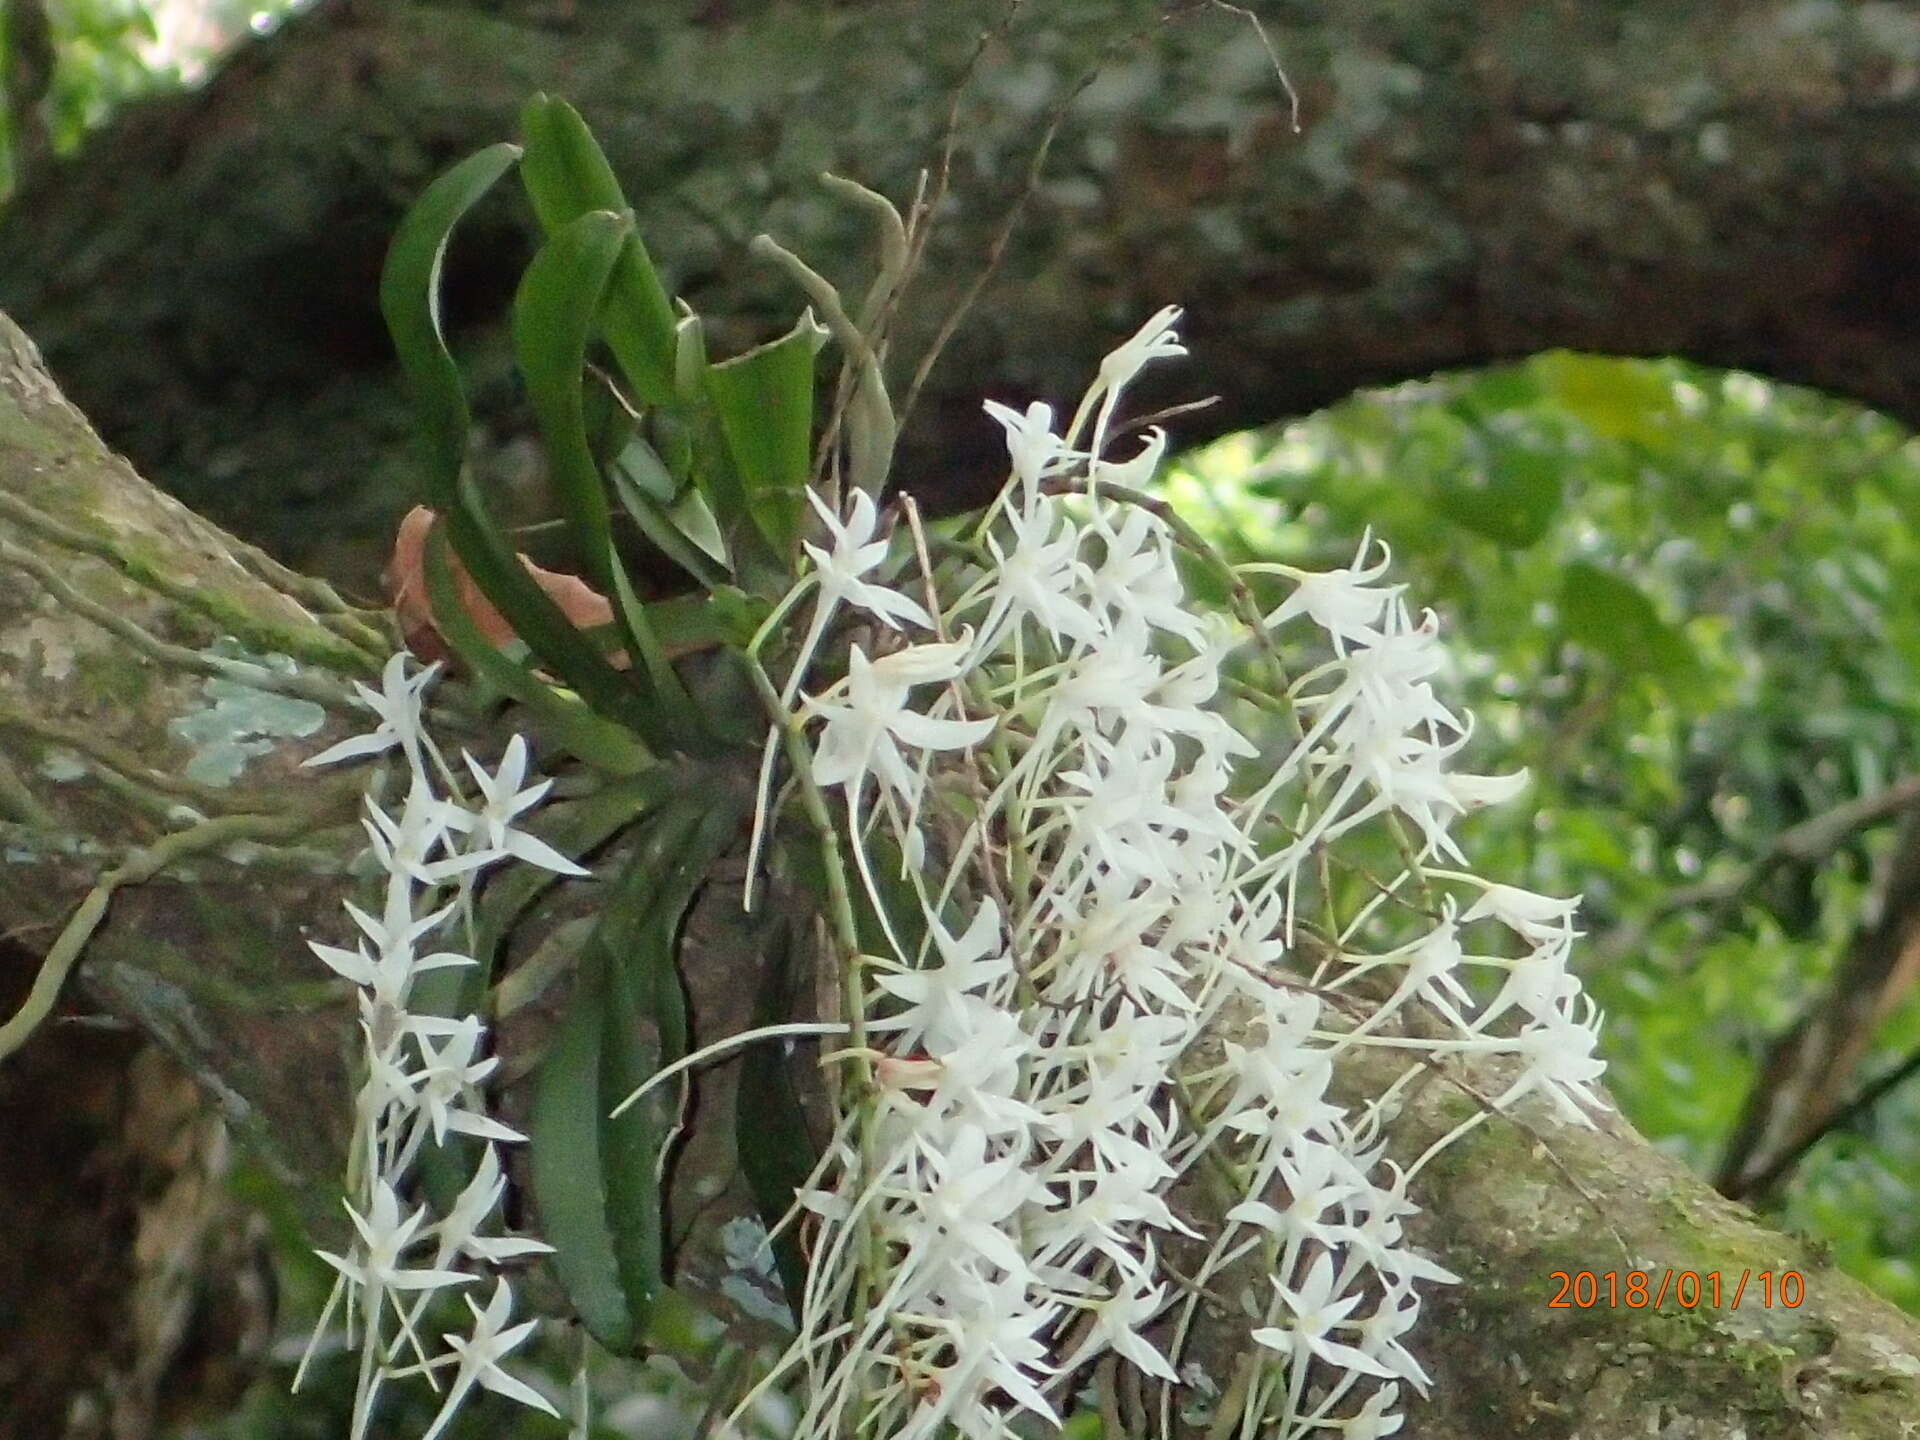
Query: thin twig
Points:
[1266, 41]
[997, 249]
[1808, 843]
[1868, 1097]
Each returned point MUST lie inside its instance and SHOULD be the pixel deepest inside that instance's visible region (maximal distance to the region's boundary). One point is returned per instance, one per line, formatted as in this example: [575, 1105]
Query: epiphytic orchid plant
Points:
[1102, 858]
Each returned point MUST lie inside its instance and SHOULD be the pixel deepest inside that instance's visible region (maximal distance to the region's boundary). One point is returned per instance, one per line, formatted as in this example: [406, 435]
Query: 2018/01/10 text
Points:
[1584, 1289]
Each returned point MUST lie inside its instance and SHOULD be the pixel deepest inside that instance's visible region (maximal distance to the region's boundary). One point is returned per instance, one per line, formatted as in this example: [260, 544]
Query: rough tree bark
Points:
[159, 684]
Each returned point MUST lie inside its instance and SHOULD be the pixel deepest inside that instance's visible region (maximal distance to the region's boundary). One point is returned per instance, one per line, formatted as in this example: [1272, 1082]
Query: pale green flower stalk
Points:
[423, 1073]
[1089, 886]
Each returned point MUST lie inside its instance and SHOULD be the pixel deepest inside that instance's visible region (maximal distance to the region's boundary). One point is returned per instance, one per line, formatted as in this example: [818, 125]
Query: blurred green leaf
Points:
[1512, 499]
[1613, 617]
[648, 473]
[1617, 399]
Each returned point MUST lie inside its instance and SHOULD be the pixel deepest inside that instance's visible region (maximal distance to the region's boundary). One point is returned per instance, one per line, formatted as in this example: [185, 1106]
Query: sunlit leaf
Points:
[1613, 398]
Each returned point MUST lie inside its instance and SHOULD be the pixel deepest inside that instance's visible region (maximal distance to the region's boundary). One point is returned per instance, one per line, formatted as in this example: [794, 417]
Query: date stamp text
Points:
[1687, 1289]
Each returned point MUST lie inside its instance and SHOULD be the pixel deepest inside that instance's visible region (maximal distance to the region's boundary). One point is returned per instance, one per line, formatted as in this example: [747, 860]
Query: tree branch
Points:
[213, 963]
[1471, 184]
[1811, 842]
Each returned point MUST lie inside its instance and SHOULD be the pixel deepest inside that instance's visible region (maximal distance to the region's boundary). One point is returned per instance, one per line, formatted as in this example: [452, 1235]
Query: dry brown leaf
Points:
[406, 582]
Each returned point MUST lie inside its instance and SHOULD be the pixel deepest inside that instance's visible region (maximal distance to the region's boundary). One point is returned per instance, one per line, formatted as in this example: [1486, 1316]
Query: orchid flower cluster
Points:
[1114, 962]
[424, 1072]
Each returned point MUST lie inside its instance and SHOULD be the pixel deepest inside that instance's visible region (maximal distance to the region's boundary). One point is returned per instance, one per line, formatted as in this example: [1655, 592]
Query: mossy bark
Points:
[114, 605]
[129, 630]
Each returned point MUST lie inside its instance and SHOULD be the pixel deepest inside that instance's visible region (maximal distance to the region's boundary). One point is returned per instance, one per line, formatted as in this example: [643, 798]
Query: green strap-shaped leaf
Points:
[764, 400]
[610, 424]
[689, 726]
[410, 301]
[566, 172]
[569, 1176]
[575, 828]
[644, 468]
[694, 444]
[701, 449]
[769, 1125]
[560, 717]
[632, 1049]
[553, 321]
[576, 1147]
[647, 1028]
[567, 175]
[597, 1177]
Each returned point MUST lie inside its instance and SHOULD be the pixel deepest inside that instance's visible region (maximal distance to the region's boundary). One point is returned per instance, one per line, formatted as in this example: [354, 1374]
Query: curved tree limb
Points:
[211, 961]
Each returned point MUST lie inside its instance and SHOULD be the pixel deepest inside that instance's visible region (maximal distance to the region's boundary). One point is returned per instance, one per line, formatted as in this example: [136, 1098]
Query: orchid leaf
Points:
[576, 829]
[553, 321]
[538, 620]
[676, 704]
[561, 717]
[592, 1172]
[569, 1168]
[567, 176]
[657, 524]
[764, 401]
[410, 302]
[646, 1022]
[645, 469]
[770, 1127]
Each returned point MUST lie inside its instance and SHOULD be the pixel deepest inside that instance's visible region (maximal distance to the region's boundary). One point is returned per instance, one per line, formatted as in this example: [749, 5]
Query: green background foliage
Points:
[1686, 601]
